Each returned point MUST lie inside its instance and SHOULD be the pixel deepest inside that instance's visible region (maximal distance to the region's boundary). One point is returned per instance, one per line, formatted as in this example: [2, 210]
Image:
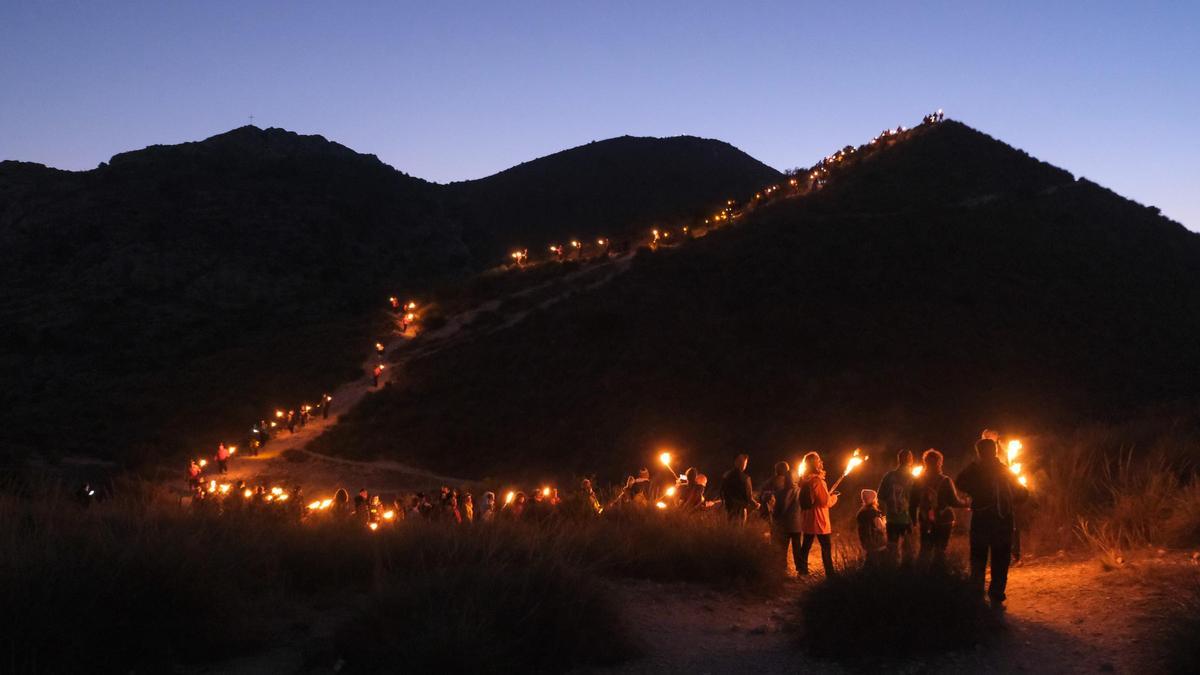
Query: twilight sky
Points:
[456, 90]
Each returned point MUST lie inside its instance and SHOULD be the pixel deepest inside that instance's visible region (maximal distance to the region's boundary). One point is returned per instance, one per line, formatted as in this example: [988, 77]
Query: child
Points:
[872, 527]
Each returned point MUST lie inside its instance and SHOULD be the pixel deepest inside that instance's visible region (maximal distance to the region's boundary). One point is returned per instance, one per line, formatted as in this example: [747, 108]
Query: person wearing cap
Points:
[872, 527]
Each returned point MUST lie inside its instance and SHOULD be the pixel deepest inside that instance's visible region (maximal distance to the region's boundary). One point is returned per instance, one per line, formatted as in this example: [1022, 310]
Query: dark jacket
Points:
[737, 491]
[939, 509]
[993, 489]
[786, 517]
[872, 532]
[894, 491]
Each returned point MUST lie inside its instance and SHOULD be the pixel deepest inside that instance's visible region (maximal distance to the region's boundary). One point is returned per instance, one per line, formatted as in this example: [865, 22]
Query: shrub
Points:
[888, 611]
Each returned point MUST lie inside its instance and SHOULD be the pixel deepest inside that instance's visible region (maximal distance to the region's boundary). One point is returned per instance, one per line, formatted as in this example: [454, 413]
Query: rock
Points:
[734, 628]
[1107, 668]
[760, 630]
[708, 608]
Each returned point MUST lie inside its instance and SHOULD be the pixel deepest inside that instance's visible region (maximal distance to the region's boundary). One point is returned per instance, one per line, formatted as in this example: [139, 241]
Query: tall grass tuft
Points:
[886, 611]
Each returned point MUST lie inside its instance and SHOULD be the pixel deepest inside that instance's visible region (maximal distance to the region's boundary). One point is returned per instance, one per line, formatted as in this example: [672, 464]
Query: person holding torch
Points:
[994, 491]
[815, 501]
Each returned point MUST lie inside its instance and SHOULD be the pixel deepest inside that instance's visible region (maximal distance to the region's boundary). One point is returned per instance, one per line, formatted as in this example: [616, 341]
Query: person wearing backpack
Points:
[894, 491]
[994, 491]
[931, 506]
[815, 501]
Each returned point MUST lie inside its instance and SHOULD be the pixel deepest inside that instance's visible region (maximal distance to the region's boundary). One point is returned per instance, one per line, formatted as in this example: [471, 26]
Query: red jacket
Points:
[816, 520]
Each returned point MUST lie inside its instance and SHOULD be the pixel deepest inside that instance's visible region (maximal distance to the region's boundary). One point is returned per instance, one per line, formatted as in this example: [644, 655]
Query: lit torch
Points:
[855, 460]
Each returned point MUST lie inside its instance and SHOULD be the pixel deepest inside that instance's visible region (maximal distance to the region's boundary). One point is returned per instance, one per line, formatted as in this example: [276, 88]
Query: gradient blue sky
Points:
[460, 90]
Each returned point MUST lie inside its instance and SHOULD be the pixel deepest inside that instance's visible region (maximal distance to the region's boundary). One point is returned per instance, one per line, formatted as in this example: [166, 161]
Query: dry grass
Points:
[138, 583]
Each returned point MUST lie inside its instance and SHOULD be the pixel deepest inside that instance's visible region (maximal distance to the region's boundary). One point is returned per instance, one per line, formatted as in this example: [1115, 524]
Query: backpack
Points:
[895, 500]
[929, 508]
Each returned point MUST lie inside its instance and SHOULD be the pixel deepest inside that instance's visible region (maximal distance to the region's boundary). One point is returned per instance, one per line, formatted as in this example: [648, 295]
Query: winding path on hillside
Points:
[321, 471]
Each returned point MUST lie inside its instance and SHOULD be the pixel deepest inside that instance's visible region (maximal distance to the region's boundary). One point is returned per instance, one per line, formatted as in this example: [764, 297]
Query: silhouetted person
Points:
[894, 492]
[931, 506]
[994, 491]
[737, 490]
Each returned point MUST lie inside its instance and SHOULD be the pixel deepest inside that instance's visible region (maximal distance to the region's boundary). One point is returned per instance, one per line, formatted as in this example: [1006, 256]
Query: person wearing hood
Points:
[994, 491]
[815, 502]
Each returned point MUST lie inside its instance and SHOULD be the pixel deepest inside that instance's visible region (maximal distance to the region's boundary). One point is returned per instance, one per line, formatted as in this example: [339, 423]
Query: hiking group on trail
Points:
[908, 520]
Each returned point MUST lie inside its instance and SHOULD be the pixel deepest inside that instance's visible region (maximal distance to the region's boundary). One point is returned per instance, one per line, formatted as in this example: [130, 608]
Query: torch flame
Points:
[1015, 468]
[508, 498]
[918, 470]
[388, 515]
[661, 505]
[1023, 481]
[671, 491]
[854, 461]
[326, 504]
[665, 458]
[313, 506]
[1014, 447]
[373, 526]
[545, 492]
[247, 493]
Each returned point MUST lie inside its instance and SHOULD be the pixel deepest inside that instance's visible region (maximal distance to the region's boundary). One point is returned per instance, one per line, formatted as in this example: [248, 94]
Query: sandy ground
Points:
[1064, 616]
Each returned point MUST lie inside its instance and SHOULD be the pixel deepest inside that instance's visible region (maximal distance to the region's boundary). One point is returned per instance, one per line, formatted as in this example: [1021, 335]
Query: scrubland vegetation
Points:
[138, 582]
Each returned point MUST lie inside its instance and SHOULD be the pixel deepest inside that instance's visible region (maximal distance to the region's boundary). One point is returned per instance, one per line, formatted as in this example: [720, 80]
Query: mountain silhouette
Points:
[930, 289]
[608, 189]
[158, 302]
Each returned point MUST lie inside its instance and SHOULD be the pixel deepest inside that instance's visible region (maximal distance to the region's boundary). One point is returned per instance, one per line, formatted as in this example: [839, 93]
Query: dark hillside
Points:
[608, 188]
[243, 264]
[940, 286]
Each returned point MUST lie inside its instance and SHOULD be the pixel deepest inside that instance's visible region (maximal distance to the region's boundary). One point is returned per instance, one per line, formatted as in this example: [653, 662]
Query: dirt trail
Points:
[1064, 616]
[324, 472]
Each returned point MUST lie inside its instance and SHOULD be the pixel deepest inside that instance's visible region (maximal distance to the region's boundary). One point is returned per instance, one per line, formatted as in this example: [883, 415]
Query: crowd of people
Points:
[908, 519]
